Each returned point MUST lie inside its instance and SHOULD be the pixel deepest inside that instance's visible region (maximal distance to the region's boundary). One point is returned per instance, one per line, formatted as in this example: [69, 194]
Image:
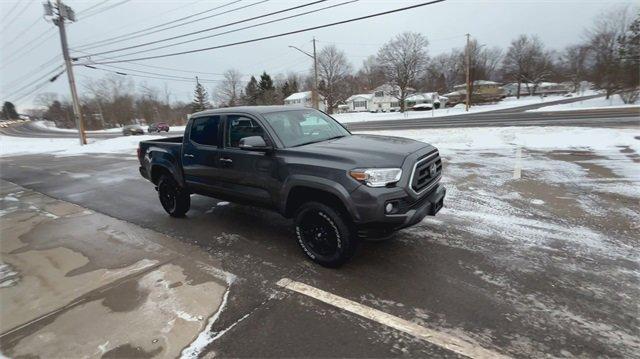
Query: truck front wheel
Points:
[324, 234]
[173, 198]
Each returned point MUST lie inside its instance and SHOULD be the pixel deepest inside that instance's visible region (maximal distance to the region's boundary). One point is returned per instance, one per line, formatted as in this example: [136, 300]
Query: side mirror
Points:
[253, 143]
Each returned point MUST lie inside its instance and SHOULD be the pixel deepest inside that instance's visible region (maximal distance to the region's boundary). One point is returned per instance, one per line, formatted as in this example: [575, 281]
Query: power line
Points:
[193, 72]
[15, 17]
[156, 76]
[209, 29]
[238, 29]
[98, 11]
[137, 22]
[92, 7]
[131, 35]
[23, 78]
[39, 86]
[159, 67]
[6, 15]
[278, 35]
[18, 54]
[26, 29]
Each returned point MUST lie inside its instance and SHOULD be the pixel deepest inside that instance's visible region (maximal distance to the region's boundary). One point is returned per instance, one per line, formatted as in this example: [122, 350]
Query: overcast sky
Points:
[494, 23]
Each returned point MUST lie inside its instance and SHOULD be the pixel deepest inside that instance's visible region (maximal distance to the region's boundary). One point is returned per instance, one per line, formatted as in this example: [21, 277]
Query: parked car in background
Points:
[422, 107]
[158, 127]
[132, 130]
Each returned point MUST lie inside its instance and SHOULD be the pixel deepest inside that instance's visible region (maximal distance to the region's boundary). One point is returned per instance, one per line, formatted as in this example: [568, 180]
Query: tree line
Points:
[608, 56]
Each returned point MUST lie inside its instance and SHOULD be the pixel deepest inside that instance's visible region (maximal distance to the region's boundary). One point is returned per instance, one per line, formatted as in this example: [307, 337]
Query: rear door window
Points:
[205, 130]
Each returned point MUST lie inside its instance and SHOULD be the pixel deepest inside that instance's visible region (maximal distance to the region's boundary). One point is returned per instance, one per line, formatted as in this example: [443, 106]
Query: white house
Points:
[303, 99]
[360, 103]
[382, 99]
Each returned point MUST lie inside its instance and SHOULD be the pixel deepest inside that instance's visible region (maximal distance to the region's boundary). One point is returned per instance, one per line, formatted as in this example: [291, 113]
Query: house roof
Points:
[366, 96]
[299, 95]
[479, 82]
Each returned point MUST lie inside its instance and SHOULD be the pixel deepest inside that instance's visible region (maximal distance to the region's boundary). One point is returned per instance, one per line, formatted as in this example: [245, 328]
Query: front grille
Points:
[422, 176]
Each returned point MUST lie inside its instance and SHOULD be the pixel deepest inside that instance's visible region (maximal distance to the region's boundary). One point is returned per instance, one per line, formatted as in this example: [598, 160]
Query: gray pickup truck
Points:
[339, 187]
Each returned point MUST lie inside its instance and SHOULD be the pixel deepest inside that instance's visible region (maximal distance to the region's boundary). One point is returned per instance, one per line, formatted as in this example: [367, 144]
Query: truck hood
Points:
[365, 150]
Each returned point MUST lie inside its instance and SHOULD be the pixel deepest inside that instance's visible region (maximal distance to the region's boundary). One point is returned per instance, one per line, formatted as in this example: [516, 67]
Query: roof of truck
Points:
[249, 109]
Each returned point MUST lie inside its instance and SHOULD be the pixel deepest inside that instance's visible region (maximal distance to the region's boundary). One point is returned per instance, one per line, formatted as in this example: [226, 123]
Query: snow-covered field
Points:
[509, 102]
[50, 126]
[10, 146]
[591, 104]
[445, 139]
[546, 138]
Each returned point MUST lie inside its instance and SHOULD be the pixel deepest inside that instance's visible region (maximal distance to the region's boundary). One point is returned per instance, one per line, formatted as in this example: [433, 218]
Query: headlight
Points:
[376, 177]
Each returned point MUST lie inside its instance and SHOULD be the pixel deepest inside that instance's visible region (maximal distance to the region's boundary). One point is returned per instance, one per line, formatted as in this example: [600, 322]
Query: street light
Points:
[314, 93]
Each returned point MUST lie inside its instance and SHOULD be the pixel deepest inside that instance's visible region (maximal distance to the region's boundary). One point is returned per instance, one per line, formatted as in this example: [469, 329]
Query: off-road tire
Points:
[174, 199]
[325, 235]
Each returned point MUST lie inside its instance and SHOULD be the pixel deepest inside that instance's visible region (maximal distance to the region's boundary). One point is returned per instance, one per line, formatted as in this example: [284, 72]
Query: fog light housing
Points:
[389, 208]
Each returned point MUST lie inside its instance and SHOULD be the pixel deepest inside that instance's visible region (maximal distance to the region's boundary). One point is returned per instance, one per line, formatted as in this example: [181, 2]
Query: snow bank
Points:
[11, 146]
[614, 101]
[51, 126]
[509, 102]
[446, 139]
[530, 137]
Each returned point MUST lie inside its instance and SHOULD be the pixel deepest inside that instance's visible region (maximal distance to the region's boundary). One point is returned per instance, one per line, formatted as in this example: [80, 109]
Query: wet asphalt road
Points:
[551, 268]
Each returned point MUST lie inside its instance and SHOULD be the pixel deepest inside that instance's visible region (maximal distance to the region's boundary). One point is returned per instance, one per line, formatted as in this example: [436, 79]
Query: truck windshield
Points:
[301, 127]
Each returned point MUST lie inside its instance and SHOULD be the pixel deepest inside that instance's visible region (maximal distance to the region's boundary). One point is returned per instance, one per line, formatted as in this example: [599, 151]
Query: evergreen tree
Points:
[251, 92]
[266, 90]
[200, 99]
[289, 88]
[9, 111]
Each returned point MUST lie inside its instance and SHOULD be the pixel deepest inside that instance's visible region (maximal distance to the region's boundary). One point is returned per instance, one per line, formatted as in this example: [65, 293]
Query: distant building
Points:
[543, 88]
[383, 99]
[483, 91]
[360, 103]
[304, 99]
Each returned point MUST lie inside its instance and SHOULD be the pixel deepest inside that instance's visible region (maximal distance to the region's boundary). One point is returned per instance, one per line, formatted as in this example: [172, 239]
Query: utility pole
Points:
[314, 93]
[468, 101]
[64, 12]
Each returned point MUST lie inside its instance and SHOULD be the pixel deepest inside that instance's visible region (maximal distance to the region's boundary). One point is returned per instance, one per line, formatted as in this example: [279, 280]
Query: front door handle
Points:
[226, 160]
[188, 155]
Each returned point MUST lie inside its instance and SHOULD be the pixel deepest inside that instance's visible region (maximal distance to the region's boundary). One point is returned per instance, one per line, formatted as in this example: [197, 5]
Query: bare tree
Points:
[527, 61]
[573, 64]
[403, 60]
[443, 72]
[484, 63]
[604, 48]
[370, 74]
[229, 91]
[333, 70]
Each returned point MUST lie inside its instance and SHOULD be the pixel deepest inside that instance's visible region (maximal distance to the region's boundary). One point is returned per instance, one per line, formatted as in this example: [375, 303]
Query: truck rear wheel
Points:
[173, 198]
[325, 235]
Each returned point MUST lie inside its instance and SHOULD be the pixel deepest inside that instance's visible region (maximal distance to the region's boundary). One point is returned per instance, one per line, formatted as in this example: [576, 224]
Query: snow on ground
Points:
[447, 139]
[11, 146]
[508, 102]
[592, 104]
[50, 126]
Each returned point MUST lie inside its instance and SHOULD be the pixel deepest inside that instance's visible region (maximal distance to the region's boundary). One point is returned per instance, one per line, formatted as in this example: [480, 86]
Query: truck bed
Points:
[177, 139]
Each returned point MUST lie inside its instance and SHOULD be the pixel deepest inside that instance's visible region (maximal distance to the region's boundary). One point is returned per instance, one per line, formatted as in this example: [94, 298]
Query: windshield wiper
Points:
[322, 140]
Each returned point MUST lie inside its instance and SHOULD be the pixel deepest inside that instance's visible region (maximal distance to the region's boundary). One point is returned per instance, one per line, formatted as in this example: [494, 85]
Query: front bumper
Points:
[370, 207]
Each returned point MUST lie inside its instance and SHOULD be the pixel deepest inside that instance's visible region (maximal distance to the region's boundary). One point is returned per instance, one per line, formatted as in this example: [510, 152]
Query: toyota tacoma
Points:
[337, 186]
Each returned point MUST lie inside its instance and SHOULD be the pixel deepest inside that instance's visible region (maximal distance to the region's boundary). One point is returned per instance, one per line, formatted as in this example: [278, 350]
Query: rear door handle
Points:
[226, 160]
[188, 155]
